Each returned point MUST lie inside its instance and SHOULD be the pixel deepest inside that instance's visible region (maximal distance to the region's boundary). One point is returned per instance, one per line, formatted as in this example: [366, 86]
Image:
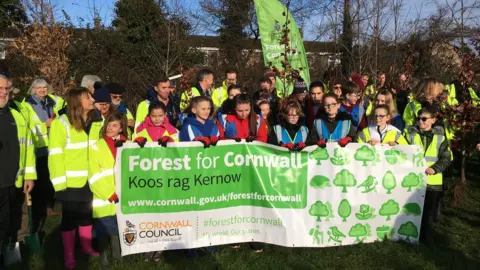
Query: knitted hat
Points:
[300, 86]
[115, 88]
[102, 95]
[357, 79]
[268, 72]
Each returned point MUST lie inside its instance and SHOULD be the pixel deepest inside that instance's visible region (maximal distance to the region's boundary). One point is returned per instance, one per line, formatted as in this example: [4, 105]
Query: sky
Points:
[81, 11]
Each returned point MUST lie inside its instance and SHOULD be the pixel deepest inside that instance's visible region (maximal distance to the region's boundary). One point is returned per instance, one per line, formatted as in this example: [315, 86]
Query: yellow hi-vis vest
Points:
[452, 95]
[38, 128]
[186, 97]
[68, 153]
[101, 178]
[26, 164]
[220, 94]
[391, 136]
[431, 154]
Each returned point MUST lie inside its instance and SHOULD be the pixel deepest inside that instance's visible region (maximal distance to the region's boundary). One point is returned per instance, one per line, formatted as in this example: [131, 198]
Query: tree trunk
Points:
[459, 187]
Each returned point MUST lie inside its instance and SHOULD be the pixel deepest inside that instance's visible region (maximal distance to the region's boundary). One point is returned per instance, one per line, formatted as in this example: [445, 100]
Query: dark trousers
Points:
[11, 199]
[431, 211]
[76, 214]
[43, 194]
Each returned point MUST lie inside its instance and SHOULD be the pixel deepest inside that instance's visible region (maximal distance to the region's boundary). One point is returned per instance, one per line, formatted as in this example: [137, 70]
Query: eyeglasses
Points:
[293, 115]
[103, 104]
[337, 87]
[116, 96]
[423, 119]
[331, 105]
[379, 116]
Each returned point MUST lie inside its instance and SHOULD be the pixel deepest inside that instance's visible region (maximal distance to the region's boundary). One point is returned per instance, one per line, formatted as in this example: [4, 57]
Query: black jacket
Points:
[444, 153]
[9, 148]
[331, 125]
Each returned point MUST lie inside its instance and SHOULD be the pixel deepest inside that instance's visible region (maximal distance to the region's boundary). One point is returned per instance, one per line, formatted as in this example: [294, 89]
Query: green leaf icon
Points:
[319, 181]
[344, 209]
[412, 181]
[320, 209]
[389, 182]
[366, 212]
[340, 157]
[388, 209]
[319, 154]
[344, 179]
[408, 230]
[412, 209]
[365, 154]
[369, 184]
[358, 231]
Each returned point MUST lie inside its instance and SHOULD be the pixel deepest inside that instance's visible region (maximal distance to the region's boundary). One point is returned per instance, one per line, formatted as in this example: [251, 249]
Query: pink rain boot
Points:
[85, 233]
[69, 249]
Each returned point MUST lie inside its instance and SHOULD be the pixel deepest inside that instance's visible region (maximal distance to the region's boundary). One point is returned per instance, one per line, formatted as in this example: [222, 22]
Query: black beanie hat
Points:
[300, 86]
[115, 88]
[102, 95]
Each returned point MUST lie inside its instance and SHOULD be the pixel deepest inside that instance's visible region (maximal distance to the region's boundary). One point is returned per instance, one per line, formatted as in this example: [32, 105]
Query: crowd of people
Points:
[63, 149]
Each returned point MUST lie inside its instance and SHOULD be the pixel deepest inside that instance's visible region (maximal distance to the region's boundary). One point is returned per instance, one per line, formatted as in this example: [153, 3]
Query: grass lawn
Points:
[455, 245]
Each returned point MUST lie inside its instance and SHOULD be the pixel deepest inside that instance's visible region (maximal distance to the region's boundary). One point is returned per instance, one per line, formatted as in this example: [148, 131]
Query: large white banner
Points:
[185, 196]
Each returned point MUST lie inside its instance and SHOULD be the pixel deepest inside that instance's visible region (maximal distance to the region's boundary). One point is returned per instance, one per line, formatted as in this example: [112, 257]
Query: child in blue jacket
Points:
[199, 126]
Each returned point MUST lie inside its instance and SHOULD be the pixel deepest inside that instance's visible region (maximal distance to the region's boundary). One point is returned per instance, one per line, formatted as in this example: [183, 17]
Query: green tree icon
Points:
[385, 232]
[344, 179]
[319, 181]
[319, 154]
[340, 157]
[394, 156]
[365, 154]
[334, 235]
[412, 209]
[366, 212]
[369, 184]
[389, 209]
[320, 209]
[389, 182]
[358, 231]
[344, 209]
[409, 230]
[412, 181]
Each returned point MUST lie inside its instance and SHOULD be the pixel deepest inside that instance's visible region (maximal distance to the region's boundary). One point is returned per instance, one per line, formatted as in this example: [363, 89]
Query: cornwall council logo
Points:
[129, 234]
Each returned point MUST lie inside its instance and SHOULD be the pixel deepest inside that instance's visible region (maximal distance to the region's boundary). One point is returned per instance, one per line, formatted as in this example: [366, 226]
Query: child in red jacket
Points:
[243, 123]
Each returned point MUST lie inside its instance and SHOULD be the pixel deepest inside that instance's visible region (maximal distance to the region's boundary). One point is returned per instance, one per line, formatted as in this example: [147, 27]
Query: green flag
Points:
[270, 21]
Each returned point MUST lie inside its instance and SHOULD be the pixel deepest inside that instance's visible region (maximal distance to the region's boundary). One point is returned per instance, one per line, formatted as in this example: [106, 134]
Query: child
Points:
[266, 112]
[332, 124]
[290, 132]
[244, 123]
[102, 157]
[227, 105]
[352, 104]
[437, 152]
[380, 131]
[156, 127]
[199, 127]
[386, 97]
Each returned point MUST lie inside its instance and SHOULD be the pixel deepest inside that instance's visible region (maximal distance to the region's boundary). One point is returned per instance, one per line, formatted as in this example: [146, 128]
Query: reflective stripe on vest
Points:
[430, 154]
[284, 137]
[341, 130]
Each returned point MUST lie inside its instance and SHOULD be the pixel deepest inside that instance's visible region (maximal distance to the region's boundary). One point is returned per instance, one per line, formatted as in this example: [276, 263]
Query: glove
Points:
[141, 141]
[164, 140]
[299, 147]
[250, 139]
[213, 140]
[204, 140]
[113, 198]
[289, 146]
[322, 143]
[343, 142]
[237, 139]
[119, 143]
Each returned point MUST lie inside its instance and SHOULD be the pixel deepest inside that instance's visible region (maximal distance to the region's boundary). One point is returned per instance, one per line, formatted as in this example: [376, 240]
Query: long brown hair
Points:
[115, 116]
[252, 118]
[429, 86]
[75, 110]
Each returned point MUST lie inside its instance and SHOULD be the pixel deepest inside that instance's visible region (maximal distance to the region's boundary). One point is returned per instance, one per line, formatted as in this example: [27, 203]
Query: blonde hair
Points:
[37, 83]
[425, 87]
